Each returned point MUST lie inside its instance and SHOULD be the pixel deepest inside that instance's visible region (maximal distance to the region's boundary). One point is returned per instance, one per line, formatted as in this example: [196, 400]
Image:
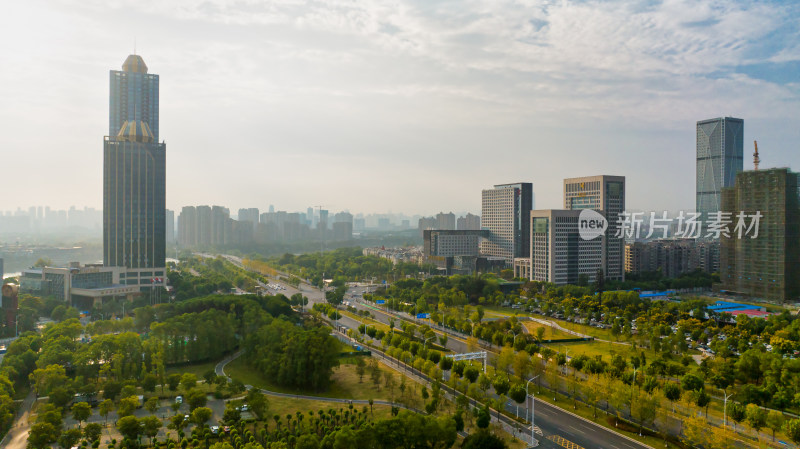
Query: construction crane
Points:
[756, 159]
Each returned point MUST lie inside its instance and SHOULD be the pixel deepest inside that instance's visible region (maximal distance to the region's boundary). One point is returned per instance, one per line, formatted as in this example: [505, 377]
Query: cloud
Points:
[439, 82]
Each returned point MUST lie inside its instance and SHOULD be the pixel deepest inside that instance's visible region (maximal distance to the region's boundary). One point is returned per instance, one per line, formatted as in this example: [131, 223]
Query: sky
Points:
[401, 106]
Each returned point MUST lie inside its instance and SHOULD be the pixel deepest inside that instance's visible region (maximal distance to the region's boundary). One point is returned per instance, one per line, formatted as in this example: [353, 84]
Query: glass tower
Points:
[134, 226]
[133, 96]
[134, 173]
[719, 159]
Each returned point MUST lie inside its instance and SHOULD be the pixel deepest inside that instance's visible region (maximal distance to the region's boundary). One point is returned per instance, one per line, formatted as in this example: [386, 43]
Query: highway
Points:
[560, 428]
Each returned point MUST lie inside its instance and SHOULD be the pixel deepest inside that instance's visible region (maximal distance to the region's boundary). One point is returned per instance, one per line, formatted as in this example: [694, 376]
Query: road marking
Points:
[563, 442]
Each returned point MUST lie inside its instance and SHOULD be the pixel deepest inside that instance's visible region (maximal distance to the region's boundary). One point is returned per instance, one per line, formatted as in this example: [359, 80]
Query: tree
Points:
[127, 406]
[152, 405]
[517, 394]
[42, 435]
[484, 418]
[149, 383]
[201, 415]
[69, 438]
[505, 359]
[643, 409]
[522, 364]
[80, 412]
[673, 393]
[92, 432]
[793, 430]
[774, 421]
[736, 412]
[173, 381]
[703, 400]
[195, 398]
[188, 381]
[259, 403]
[105, 408]
[129, 427]
[483, 440]
[361, 369]
[690, 382]
[150, 426]
[755, 417]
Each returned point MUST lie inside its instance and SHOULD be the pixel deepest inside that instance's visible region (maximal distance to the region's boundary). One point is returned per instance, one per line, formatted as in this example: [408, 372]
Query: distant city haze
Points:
[410, 107]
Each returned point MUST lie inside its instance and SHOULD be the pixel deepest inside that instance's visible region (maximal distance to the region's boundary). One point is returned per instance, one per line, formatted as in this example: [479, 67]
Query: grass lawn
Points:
[198, 369]
[592, 348]
[550, 333]
[283, 406]
[345, 385]
[366, 320]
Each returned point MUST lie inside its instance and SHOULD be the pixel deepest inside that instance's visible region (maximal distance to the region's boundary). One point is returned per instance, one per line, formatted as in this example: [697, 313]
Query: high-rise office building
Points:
[133, 199]
[605, 194]
[719, 159]
[169, 222]
[134, 96]
[765, 266]
[558, 253]
[505, 213]
[187, 227]
[134, 178]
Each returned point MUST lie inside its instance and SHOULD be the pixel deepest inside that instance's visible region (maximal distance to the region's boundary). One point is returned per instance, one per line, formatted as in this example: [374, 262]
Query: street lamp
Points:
[725, 410]
[426, 341]
[472, 327]
[533, 404]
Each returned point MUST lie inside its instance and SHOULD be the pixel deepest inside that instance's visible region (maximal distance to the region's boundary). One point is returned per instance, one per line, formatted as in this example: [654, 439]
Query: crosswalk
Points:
[563, 442]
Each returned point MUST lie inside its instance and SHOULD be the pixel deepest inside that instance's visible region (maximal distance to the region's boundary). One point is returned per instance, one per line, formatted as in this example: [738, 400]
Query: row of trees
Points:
[293, 356]
[346, 263]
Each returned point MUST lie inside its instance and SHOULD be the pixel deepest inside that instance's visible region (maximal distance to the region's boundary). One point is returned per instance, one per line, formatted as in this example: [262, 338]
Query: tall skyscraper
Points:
[188, 227]
[605, 194]
[134, 96]
[719, 159]
[169, 222]
[505, 213]
[133, 198]
[767, 266]
[134, 173]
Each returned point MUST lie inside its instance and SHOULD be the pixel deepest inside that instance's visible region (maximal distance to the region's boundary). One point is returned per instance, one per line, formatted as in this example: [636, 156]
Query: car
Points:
[226, 429]
[185, 417]
[245, 408]
[179, 399]
[215, 429]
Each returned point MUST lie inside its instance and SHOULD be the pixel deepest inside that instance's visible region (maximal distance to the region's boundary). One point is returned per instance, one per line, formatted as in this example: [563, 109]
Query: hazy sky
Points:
[410, 106]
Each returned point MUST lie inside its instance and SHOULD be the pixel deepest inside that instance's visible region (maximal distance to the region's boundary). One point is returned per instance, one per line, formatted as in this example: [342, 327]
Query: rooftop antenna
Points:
[756, 159]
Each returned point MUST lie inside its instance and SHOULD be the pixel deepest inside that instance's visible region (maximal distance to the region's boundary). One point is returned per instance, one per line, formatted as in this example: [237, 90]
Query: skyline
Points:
[467, 98]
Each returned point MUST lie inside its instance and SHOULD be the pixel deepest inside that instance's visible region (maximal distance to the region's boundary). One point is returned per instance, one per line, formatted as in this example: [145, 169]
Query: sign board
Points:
[423, 315]
[380, 301]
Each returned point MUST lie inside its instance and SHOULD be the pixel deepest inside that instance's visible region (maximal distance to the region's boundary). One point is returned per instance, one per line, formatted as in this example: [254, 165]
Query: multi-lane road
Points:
[560, 428]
